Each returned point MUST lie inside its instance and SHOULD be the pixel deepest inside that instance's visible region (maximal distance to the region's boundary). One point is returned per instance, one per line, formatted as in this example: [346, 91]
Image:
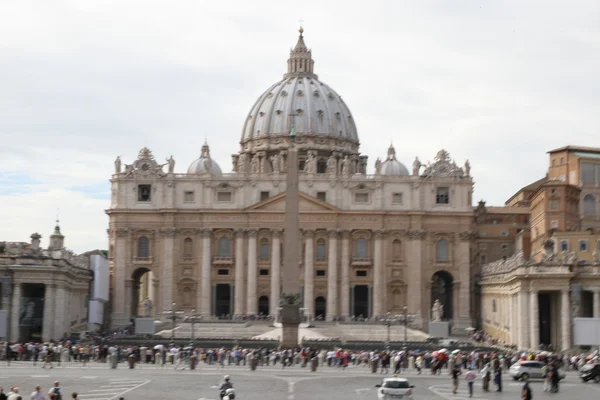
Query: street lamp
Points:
[388, 321]
[406, 318]
[173, 315]
[192, 319]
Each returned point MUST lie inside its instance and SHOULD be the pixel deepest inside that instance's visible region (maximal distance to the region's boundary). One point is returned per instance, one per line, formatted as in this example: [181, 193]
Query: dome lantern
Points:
[300, 61]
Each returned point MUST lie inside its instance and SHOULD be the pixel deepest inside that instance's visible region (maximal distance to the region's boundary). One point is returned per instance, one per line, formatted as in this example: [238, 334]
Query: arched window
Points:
[320, 249]
[143, 247]
[360, 248]
[396, 249]
[589, 205]
[224, 247]
[442, 251]
[264, 249]
[188, 247]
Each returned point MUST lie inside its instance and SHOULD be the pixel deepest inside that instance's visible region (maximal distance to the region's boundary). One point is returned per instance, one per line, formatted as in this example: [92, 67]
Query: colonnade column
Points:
[238, 308]
[205, 276]
[523, 319]
[597, 303]
[275, 273]
[332, 277]
[378, 275]
[345, 294]
[47, 334]
[514, 323]
[534, 319]
[15, 313]
[415, 293]
[565, 331]
[309, 273]
[166, 279]
[251, 300]
[59, 311]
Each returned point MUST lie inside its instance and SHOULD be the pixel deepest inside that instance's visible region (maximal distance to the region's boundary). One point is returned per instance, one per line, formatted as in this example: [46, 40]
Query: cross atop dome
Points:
[300, 61]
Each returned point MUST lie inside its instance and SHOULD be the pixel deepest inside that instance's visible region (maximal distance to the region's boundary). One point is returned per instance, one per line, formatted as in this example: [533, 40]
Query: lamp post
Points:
[172, 313]
[192, 319]
[405, 324]
[388, 321]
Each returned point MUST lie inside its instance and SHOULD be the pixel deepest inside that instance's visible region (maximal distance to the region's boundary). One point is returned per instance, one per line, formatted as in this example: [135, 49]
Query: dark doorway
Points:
[587, 304]
[545, 315]
[361, 301]
[320, 307]
[263, 305]
[441, 289]
[31, 315]
[140, 277]
[223, 299]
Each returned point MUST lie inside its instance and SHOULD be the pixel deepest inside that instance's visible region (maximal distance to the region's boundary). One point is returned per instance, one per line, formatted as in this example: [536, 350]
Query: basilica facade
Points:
[210, 242]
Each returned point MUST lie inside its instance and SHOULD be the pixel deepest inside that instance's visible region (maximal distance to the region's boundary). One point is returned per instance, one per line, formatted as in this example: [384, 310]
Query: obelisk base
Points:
[290, 321]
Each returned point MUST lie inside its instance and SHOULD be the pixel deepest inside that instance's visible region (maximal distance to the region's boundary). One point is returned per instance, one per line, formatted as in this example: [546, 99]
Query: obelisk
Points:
[290, 299]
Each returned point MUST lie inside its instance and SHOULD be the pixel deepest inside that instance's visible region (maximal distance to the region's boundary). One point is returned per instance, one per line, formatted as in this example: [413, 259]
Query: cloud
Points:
[499, 83]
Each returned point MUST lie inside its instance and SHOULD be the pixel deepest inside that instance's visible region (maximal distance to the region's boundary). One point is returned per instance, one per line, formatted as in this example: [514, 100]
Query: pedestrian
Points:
[37, 394]
[74, 396]
[13, 394]
[486, 377]
[56, 391]
[526, 393]
[498, 378]
[546, 373]
[455, 374]
[2, 394]
[470, 377]
[419, 364]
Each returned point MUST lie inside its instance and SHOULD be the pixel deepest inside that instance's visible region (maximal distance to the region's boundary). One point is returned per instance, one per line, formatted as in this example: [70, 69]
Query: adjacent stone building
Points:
[44, 290]
[372, 244]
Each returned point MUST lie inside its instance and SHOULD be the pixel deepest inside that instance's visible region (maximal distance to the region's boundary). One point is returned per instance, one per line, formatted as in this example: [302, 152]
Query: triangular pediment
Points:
[306, 203]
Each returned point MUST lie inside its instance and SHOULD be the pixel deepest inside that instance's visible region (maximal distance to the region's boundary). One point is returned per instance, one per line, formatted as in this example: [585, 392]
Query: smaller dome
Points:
[391, 166]
[204, 164]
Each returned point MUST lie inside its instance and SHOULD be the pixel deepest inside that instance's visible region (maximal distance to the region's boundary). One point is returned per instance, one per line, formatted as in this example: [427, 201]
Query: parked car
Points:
[530, 369]
[394, 388]
[590, 372]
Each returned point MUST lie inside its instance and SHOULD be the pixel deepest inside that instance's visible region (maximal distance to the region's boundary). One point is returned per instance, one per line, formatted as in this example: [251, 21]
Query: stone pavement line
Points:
[445, 391]
[115, 389]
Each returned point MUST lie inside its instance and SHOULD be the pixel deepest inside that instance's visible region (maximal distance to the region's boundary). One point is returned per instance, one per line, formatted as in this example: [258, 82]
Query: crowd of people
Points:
[54, 393]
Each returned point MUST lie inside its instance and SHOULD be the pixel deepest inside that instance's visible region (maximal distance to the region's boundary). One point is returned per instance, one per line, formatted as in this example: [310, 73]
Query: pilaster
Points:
[345, 289]
[166, 281]
[565, 325]
[15, 312]
[597, 303]
[205, 279]
[239, 273]
[118, 317]
[332, 276]
[252, 300]
[309, 273]
[275, 272]
[378, 275]
[534, 319]
[415, 263]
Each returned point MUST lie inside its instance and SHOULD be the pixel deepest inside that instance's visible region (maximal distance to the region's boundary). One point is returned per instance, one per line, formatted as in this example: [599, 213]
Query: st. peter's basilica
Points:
[210, 241]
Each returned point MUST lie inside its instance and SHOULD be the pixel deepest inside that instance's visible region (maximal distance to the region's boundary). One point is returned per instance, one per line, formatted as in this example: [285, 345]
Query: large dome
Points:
[391, 166]
[317, 110]
[205, 164]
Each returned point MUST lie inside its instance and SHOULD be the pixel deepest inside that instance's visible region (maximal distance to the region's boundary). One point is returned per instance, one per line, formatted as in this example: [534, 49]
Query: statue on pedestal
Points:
[416, 166]
[378, 166]
[275, 163]
[148, 306]
[241, 163]
[254, 165]
[331, 165]
[437, 311]
[467, 168]
[346, 166]
[171, 163]
[118, 165]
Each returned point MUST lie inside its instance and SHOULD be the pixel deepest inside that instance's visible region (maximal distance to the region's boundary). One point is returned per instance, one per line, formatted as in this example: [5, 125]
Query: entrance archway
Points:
[223, 300]
[441, 289]
[361, 301]
[263, 305]
[320, 307]
[142, 289]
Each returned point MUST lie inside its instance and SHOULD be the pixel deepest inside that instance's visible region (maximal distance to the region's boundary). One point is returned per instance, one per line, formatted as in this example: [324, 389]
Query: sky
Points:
[498, 83]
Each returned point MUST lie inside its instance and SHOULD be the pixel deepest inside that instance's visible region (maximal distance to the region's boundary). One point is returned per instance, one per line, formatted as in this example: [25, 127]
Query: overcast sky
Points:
[496, 82]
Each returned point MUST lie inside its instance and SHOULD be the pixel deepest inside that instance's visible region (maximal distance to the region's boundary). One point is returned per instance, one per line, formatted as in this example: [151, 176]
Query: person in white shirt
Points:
[37, 395]
[13, 394]
[56, 390]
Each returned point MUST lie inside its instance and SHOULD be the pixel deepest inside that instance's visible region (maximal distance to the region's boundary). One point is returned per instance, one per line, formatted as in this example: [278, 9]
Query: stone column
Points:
[166, 279]
[129, 285]
[252, 300]
[59, 311]
[275, 273]
[345, 290]
[378, 276]
[238, 308]
[523, 319]
[118, 296]
[514, 323]
[565, 326]
[47, 332]
[15, 312]
[309, 273]
[205, 279]
[465, 291]
[332, 277]
[414, 252]
[597, 303]
[534, 319]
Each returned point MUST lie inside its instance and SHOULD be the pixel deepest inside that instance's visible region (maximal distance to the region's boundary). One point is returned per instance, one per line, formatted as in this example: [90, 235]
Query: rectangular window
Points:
[361, 197]
[320, 272]
[361, 274]
[264, 196]
[554, 224]
[188, 197]
[223, 272]
[322, 196]
[144, 192]
[564, 245]
[224, 197]
[442, 196]
[264, 272]
[396, 198]
[554, 204]
[583, 245]
[483, 259]
[588, 173]
[504, 233]
[493, 305]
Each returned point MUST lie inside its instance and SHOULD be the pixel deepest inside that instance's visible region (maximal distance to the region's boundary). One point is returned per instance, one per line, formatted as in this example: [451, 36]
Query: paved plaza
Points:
[98, 382]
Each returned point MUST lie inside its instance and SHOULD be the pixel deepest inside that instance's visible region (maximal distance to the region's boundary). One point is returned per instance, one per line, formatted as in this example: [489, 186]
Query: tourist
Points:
[13, 394]
[470, 377]
[2, 394]
[56, 391]
[526, 393]
[486, 376]
[37, 394]
[455, 374]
